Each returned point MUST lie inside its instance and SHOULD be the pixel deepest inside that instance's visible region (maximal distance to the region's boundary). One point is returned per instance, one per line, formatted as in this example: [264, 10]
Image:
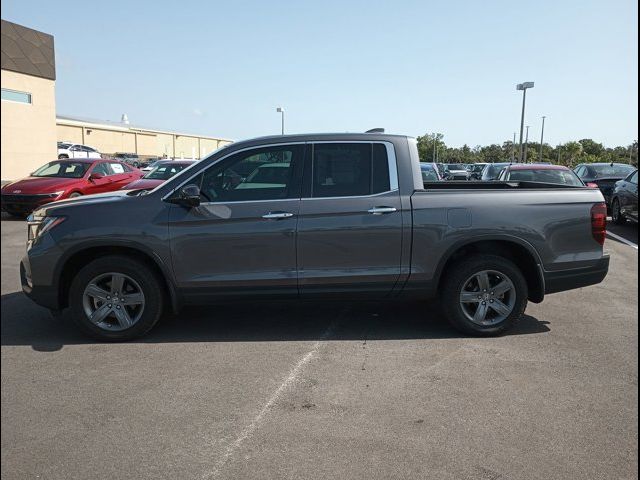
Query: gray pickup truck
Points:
[304, 216]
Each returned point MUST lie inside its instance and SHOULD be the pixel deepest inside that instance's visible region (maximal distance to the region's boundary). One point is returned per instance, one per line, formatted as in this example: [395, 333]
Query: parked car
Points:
[492, 171]
[62, 179]
[163, 171]
[456, 171]
[151, 164]
[350, 217]
[75, 150]
[475, 170]
[130, 158]
[543, 173]
[604, 175]
[430, 172]
[624, 200]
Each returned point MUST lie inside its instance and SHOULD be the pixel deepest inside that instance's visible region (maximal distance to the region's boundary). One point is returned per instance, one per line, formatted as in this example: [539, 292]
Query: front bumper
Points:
[24, 203]
[42, 295]
[564, 280]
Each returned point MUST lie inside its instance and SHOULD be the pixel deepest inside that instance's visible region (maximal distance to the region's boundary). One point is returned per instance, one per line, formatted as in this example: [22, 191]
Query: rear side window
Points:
[117, 168]
[349, 169]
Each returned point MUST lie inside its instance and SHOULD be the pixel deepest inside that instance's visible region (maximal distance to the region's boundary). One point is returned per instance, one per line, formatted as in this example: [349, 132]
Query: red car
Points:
[162, 171]
[66, 178]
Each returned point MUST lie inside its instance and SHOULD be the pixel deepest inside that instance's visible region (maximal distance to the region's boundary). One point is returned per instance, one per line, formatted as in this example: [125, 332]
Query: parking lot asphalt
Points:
[323, 390]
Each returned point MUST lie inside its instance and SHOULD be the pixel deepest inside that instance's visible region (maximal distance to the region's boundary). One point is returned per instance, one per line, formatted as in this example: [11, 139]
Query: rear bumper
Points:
[564, 280]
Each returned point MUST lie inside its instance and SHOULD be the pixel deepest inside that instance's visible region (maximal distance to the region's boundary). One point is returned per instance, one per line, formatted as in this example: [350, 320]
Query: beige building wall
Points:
[146, 144]
[28, 130]
[68, 133]
[109, 139]
[187, 147]
[164, 143]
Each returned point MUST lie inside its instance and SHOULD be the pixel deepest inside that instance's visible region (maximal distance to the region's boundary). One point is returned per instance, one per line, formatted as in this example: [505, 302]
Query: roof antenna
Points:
[375, 130]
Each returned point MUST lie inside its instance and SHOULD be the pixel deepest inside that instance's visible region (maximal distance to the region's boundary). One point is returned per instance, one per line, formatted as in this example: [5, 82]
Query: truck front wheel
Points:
[484, 295]
[116, 298]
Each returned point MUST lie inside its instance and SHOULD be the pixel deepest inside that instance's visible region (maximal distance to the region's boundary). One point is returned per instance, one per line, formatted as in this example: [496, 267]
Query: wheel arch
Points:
[73, 261]
[520, 252]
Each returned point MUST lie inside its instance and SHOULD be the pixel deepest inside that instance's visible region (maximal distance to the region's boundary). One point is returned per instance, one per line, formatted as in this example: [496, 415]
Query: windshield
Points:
[64, 145]
[455, 166]
[612, 170]
[165, 171]
[559, 177]
[62, 169]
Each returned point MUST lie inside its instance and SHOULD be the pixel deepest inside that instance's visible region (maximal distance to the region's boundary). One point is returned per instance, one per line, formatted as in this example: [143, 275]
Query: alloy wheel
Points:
[113, 301]
[488, 297]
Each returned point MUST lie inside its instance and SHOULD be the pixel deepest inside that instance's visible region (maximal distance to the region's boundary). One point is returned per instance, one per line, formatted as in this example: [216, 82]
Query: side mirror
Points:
[189, 196]
[95, 176]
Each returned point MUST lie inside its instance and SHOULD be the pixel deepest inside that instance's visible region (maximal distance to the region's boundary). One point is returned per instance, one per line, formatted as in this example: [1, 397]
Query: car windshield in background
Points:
[429, 174]
[64, 145]
[612, 170]
[165, 172]
[62, 169]
[456, 166]
[559, 177]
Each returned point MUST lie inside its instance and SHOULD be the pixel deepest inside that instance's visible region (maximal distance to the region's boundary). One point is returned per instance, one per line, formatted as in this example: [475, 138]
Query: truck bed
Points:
[471, 185]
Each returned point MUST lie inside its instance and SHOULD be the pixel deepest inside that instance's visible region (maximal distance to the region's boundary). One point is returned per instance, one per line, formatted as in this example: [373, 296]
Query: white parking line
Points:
[291, 379]
[623, 240]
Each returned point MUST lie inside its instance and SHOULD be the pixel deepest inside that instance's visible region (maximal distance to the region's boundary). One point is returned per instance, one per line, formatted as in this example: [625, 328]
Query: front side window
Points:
[16, 96]
[62, 169]
[260, 174]
[634, 178]
[349, 169]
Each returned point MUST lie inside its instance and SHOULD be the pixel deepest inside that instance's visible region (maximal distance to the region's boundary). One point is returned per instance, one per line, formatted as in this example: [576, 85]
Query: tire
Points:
[137, 278]
[617, 217]
[62, 156]
[75, 195]
[465, 277]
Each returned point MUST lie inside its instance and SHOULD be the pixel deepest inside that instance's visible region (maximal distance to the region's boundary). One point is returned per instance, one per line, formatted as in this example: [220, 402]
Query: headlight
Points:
[56, 194]
[36, 226]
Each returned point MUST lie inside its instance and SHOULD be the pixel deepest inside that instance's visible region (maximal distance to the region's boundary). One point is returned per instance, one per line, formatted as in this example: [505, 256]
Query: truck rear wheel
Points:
[484, 295]
[116, 298]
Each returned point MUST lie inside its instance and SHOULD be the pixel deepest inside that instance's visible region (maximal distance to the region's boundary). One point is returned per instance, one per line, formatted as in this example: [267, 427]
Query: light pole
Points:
[542, 137]
[513, 148]
[523, 87]
[280, 110]
[526, 142]
[435, 138]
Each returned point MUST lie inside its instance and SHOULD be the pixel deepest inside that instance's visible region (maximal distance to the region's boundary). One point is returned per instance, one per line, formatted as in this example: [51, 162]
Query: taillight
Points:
[599, 222]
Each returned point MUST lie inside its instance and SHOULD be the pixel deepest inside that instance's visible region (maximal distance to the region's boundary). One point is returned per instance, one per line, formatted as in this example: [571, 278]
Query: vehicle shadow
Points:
[628, 231]
[24, 323]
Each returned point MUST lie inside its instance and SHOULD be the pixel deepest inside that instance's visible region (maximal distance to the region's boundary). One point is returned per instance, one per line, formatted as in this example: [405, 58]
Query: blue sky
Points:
[222, 68]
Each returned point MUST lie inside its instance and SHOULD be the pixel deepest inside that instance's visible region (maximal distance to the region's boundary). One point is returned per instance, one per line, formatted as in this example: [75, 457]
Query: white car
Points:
[75, 150]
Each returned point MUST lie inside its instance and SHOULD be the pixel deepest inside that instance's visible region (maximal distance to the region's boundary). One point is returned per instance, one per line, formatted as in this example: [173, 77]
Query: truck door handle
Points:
[277, 215]
[381, 210]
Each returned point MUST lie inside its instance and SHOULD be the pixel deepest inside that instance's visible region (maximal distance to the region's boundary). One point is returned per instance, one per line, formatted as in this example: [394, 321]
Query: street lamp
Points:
[526, 143]
[523, 87]
[513, 148]
[280, 110]
[542, 137]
